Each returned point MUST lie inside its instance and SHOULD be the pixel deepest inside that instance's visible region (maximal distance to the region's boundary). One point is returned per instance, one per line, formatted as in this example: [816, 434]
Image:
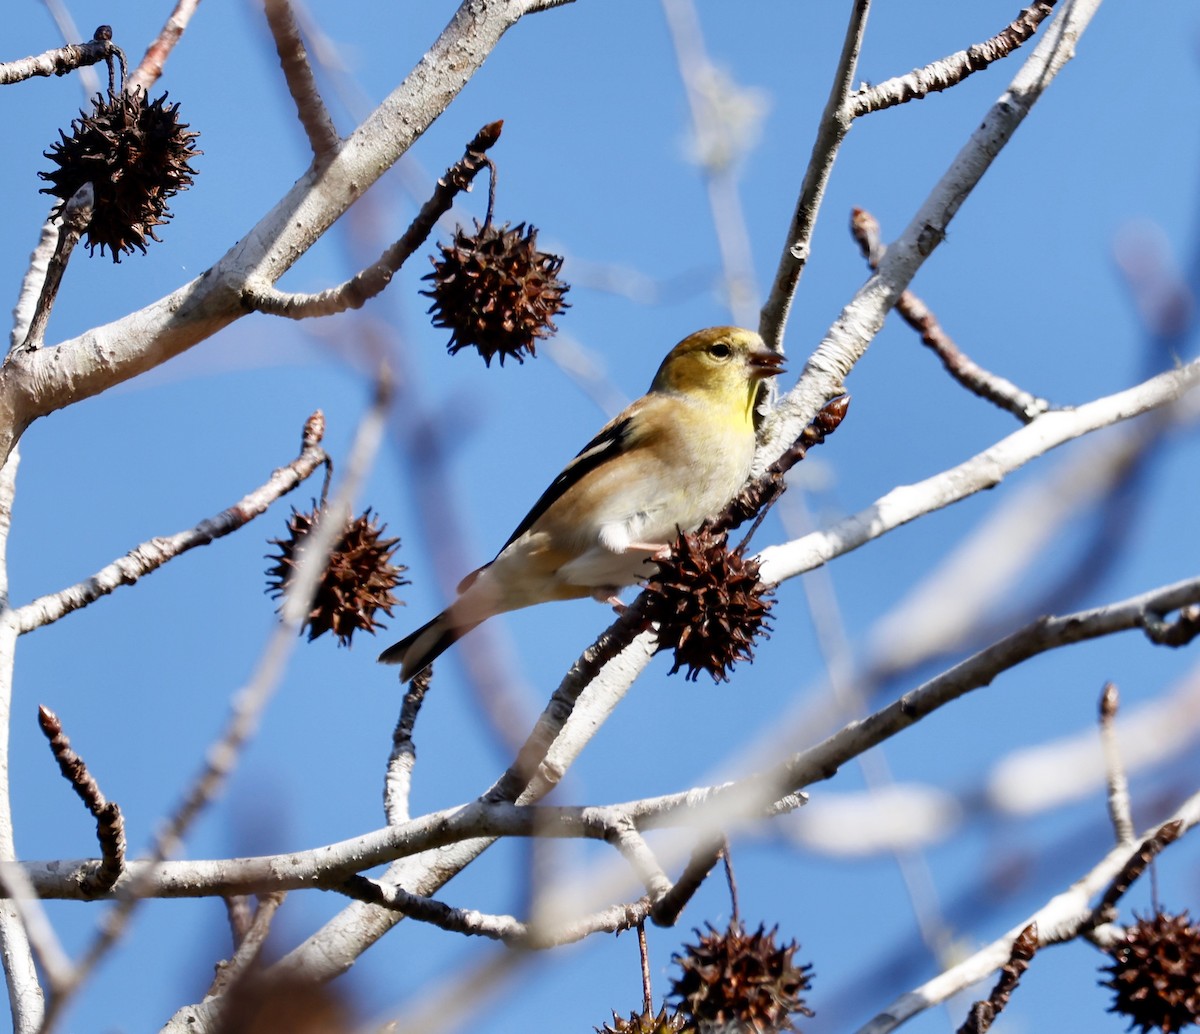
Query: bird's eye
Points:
[719, 350]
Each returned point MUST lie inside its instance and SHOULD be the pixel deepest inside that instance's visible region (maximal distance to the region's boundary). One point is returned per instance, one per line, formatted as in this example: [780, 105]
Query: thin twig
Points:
[987, 385]
[76, 215]
[355, 292]
[834, 126]
[848, 339]
[983, 1014]
[982, 471]
[644, 957]
[1039, 636]
[151, 555]
[240, 915]
[302, 85]
[62, 60]
[1132, 870]
[18, 891]
[763, 492]
[150, 68]
[949, 71]
[249, 947]
[625, 837]
[508, 929]
[703, 860]
[546, 731]
[735, 912]
[397, 785]
[110, 825]
[1119, 810]
[1179, 632]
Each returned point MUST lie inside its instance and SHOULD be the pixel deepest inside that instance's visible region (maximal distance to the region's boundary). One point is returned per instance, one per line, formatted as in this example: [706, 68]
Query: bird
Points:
[660, 467]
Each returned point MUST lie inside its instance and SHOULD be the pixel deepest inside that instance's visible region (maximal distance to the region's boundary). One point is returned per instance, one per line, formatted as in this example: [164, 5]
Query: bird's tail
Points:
[419, 649]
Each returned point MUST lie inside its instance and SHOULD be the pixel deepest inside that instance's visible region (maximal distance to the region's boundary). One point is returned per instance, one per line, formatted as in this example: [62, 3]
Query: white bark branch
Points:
[848, 339]
[982, 471]
[1062, 918]
[151, 555]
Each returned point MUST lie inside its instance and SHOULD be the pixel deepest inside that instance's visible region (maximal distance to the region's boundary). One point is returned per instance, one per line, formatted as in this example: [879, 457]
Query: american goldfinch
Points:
[674, 457]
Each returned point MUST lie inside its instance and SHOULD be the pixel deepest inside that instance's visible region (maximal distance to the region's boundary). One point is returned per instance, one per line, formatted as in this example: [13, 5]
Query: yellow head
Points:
[722, 365]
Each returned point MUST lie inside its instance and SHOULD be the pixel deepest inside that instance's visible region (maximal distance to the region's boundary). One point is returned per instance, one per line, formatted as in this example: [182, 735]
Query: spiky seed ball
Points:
[643, 1023]
[135, 154]
[496, 292]
[1155, 973]
[709, 604]
[734, 981]
[357, 582]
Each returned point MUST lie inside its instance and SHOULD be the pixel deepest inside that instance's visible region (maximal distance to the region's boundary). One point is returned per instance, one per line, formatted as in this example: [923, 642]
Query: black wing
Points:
[607, 444]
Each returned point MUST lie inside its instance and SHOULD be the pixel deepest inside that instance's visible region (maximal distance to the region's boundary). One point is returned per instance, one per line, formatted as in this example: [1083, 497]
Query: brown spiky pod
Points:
[734, 981]
[708, 603]
[496, 292]
[358, 579]
[644, 1023]
[135, 153]
[1155, 973]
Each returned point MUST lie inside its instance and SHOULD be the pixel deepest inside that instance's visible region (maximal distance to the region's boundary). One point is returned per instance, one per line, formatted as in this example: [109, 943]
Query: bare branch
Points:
[1066, 915]
[834, 126]
[941, 75]
[983, 471]
[1149, 849]
[110, 826]
[1179, 632]
[398, 782]
[504, 928]
[983, 1014]
[250, 946]
[25, 996]
[981, 669]
[298, 73]
[63, 60]
[704, 857]
[355, 292]
[1119, 810]
[76, 215]
[625, 837]
[151, 555]
[987, 385]
[848, 339]
[20, 895]
[330, 865]
[150, 69]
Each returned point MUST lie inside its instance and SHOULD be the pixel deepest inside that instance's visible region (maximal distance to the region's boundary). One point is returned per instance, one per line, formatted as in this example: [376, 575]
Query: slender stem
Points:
[1119, 809]
[644, 955]
[301, 83]
[835, 124]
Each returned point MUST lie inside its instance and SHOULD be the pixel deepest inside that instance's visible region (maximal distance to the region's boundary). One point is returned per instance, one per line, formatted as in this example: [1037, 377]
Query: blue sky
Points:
[595, 153]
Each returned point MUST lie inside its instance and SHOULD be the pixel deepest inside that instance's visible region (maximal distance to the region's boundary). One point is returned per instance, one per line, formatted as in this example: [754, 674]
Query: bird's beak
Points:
[764, 364]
